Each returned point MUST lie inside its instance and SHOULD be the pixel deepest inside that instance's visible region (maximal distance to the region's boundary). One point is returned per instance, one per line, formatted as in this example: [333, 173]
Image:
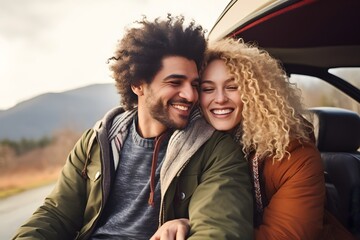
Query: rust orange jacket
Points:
[294, 206]
[295, 192]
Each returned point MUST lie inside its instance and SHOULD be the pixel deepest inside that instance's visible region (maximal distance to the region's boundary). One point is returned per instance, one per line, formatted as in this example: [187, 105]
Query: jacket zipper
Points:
[162, 215]
[85, 235]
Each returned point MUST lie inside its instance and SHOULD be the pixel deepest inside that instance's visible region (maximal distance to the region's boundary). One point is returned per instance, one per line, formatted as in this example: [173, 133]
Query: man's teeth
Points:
[222, 111]
[181, 107]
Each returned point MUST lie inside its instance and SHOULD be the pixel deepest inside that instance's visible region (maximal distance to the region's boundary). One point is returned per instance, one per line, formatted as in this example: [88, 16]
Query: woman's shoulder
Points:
[303, 158]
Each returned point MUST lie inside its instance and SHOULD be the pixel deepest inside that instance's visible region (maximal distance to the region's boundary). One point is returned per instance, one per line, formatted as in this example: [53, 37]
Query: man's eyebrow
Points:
[172, 76]
[180, 76]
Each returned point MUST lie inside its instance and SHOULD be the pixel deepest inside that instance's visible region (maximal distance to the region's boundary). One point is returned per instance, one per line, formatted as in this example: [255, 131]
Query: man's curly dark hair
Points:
[138, 56]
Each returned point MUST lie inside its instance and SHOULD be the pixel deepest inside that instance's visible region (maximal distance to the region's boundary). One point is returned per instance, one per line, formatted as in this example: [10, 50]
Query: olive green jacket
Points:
[204, 177]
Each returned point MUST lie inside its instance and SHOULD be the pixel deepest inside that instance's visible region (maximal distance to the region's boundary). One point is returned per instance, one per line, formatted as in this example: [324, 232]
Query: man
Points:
[156, 161]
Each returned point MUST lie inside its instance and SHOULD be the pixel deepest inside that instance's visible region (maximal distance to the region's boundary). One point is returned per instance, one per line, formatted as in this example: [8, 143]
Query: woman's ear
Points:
[138, 90]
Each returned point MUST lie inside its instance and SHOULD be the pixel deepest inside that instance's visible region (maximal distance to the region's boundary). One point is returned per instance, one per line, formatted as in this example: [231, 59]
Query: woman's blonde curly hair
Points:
[272, 111]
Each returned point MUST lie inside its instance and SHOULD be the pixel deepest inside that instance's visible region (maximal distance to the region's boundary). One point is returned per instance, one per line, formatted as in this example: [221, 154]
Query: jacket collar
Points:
[182, 144]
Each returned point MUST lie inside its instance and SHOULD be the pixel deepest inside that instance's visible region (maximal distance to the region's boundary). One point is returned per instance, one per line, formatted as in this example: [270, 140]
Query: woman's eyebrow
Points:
[209, 81]
[230, 80]
[205, 81]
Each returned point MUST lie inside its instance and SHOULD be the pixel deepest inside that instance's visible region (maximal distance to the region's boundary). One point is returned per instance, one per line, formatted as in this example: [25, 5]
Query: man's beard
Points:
[160, 112]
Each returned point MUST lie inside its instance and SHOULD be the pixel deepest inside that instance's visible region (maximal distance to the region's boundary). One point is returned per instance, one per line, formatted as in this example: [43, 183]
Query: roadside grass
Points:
[34, 168]
[11, 184]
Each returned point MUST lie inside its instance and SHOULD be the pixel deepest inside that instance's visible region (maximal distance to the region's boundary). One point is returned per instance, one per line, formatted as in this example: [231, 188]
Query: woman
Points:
[245, 92]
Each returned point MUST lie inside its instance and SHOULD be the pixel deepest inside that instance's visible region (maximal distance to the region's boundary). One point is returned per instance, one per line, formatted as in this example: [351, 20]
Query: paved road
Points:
[16, 209]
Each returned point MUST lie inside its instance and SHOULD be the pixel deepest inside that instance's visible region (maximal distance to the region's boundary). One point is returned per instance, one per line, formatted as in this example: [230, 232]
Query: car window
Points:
[352, 75]
[318, 93]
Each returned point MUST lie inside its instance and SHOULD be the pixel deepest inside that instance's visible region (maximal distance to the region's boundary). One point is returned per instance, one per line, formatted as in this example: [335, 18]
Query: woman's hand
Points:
[172, 230]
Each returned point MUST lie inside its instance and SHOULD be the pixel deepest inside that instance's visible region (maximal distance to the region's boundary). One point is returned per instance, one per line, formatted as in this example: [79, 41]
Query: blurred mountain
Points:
[45, 114]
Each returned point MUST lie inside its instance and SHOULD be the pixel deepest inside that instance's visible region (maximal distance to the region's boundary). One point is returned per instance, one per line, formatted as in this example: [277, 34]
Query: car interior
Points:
[334, 131]
[312, 37]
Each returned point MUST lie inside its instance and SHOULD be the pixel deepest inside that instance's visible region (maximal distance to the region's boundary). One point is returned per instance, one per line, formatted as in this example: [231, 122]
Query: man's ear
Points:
[138, 90]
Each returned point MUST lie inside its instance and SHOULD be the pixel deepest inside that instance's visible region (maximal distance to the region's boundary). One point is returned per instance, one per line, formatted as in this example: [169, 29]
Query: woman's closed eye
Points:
[232, 87]
[207, 89]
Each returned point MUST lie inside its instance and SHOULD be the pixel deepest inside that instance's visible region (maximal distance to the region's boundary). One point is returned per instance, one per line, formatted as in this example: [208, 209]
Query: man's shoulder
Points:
[113, 119]
[224, 137]
[218, 151]
[222, 142]
[113, 113]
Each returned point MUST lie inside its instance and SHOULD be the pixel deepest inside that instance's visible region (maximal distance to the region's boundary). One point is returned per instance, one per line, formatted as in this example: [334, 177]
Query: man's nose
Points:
[189, 93]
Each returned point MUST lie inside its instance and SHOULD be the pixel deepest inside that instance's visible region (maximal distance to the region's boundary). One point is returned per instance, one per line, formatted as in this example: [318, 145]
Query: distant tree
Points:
[7, 155]
[317, 93]
[26, 145]
[326, 101]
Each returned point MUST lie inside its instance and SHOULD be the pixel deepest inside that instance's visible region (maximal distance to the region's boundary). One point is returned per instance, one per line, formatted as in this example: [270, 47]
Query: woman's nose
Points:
[221, 97]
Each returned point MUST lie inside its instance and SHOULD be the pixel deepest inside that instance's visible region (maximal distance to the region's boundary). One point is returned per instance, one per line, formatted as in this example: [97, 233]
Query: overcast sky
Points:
[57, 45]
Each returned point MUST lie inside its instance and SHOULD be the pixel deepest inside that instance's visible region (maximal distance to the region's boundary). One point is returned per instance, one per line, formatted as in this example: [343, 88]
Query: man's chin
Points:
[179, 125]
[183, 126]
[178, 121]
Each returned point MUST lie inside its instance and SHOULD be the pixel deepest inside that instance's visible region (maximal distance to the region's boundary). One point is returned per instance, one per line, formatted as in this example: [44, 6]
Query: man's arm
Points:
[61, 215]
[222, 204]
